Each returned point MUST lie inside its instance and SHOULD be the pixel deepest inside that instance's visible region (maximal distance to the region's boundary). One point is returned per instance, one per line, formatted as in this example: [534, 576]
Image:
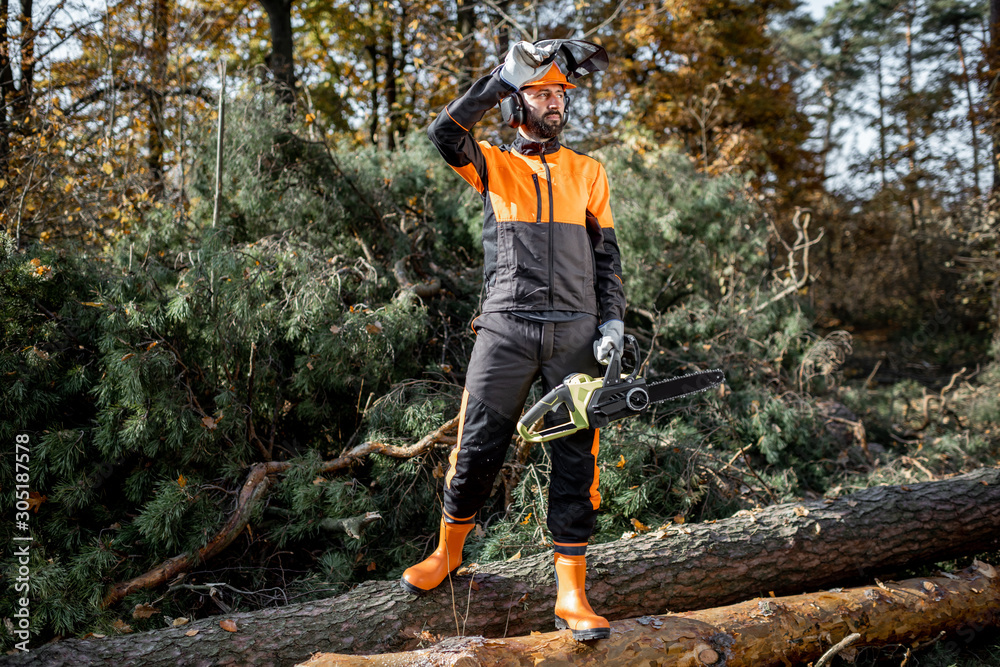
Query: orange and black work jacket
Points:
[548, 235]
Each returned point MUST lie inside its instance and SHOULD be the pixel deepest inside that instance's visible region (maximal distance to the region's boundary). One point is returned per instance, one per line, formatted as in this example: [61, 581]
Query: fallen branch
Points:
[837, 648]
[254, 489]
[422, 290]
[788, 275]
[764, 632]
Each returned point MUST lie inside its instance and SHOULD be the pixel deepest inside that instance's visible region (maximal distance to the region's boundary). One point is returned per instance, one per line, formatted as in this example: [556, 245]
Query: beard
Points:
[543, 125]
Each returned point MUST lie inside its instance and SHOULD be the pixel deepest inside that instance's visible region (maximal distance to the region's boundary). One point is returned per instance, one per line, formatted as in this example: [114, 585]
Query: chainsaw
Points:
[595, 403]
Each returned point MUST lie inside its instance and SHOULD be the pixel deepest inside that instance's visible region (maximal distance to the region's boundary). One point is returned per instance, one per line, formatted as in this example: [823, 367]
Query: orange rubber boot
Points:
[572, 609]
[430, 572]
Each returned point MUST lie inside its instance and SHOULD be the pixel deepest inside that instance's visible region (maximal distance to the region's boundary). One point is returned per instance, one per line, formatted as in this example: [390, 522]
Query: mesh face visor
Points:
[575, 57]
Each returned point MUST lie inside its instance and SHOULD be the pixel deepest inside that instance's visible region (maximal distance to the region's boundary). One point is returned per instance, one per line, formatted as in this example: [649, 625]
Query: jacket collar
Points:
[526, 146]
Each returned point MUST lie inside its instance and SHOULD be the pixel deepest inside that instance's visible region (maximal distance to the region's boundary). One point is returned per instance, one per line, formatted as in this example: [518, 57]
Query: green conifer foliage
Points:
[150, 378]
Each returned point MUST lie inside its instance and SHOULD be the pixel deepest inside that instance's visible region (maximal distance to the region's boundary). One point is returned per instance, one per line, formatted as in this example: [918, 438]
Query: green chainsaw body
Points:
[595, 402]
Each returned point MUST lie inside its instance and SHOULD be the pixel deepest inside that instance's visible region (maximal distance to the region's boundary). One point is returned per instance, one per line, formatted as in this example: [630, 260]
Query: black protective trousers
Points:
[509, 353]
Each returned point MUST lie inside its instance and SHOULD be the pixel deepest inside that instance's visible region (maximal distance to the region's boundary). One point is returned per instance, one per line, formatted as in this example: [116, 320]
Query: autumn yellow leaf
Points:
[180, 621]
[142, 610]
[371, 566]
[374, 328]
[526, 519]
[678, 519]
[621, 462]
[190, 633]
[516, 556]
[228, 625]
[108, 168]
[209, 423]
[182, 481]
[639, 526]
[310, 118]
[35, 500]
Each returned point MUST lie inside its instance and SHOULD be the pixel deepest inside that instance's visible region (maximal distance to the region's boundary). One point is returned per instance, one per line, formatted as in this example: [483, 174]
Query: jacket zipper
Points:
[548, 178]
[538, 198]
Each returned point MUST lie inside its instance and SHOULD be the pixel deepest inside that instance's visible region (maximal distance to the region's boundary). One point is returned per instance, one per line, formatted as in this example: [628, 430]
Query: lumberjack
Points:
[554, 304]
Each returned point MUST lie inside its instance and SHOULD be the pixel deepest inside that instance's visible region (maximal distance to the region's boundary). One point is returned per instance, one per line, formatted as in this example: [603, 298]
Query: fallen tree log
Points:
[784, 549]
[764, 632]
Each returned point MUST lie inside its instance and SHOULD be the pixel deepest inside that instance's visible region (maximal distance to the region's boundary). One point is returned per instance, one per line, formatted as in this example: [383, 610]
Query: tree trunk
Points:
[993, 92]
[391, 109]
[157, 96]
[883, 155]
[22, 98]
[912, 178]
[759, 633]
[281, 61]
[373, 123]
[6, 94]
[782, 549]
[503, 33]
[970, 101]
[465, 26]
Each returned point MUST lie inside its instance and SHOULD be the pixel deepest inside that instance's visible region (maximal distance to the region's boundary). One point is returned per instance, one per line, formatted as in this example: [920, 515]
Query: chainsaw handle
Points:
[551, 401]
[613, 374]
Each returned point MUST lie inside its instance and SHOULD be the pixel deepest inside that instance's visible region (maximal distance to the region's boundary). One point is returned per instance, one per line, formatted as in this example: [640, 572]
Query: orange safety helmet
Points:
[553, 75]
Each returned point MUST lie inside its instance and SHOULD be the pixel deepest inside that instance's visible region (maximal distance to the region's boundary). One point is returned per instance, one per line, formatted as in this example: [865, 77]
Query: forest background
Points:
[808, 203]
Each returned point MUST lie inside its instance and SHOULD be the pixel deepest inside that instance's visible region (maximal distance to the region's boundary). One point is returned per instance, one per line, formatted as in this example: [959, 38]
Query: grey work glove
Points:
[612, 338]
[523, 64]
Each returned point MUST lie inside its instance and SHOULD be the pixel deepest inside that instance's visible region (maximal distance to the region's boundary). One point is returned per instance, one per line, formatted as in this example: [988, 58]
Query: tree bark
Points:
[373, 123]
[993, 94]
[758, 633]
[883, 154]
[782, 549]
[6, 95]
[465, 26]
[281, 60]
[25, 92]
[157, 95]
[391, 110]
[970, 101]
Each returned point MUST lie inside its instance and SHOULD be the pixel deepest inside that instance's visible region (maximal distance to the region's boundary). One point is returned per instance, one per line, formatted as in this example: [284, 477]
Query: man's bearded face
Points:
[545, 108]
[545, 123]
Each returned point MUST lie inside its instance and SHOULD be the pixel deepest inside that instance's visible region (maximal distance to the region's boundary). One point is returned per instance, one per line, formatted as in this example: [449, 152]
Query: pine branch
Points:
[254, 490]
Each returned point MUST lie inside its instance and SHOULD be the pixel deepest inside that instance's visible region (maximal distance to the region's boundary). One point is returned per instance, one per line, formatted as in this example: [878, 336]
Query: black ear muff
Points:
[512, 109]
[565, 108]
